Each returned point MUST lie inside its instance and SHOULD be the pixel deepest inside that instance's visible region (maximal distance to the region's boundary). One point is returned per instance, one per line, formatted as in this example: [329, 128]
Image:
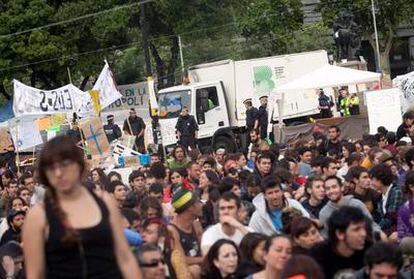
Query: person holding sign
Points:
[135, 126]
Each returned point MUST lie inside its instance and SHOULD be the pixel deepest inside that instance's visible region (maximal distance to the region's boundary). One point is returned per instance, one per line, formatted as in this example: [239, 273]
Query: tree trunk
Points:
[385, 46]
[385, 62]
[33, 78]
[175, 49]
[160, 67]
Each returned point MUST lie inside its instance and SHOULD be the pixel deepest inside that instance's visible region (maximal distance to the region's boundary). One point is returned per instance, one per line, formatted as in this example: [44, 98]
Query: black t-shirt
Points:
[333, 264]
[137, 125]
[314, 210]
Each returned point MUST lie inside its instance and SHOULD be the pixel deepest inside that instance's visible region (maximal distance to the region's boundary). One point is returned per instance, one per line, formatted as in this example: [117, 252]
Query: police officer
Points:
[186, 129]
[112, 131]
[263, 117]
[252, 121]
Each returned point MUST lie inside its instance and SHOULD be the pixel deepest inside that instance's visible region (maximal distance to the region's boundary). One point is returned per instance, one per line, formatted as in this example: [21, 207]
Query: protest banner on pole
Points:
[384, 109]
[31, 101]
[105, 85]
[133, 96]
[95, 136]
[95, 101]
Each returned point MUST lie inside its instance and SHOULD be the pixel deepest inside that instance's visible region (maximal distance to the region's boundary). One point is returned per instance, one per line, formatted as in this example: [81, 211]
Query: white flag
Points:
[108, 93]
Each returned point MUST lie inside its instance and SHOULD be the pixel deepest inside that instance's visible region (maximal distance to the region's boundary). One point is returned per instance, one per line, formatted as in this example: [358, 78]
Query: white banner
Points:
[31, 101]
[133, 96]
[108, 93]
[406, 84]
[384, 109]
[25, 135]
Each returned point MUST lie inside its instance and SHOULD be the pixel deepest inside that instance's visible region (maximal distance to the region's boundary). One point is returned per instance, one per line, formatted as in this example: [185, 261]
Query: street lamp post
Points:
[376, 36]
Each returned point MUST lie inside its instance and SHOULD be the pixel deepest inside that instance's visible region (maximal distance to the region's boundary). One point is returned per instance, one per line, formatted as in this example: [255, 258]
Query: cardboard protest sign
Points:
[95, 136]
[6, 143]
[131, 161]
[25, 135]
[43, 123]
[121, 150]
[384, 109]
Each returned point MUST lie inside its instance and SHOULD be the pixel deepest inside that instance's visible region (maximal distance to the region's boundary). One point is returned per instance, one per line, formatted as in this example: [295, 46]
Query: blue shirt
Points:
[276, 215]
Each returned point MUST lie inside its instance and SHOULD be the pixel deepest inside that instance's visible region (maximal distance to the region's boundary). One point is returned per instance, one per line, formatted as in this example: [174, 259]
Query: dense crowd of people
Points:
[325, 207]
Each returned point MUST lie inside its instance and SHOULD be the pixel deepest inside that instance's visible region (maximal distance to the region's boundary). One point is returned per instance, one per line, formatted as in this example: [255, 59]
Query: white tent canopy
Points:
[330, 76]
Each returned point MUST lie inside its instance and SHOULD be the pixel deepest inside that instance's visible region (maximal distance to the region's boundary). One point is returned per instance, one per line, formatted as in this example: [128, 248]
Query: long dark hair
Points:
[103, 178]
[57, 150]
[176, 148]
[249, 243]
[209, 269]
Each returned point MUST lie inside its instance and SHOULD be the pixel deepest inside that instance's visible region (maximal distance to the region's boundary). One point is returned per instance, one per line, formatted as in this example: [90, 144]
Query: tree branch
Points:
[175, 48]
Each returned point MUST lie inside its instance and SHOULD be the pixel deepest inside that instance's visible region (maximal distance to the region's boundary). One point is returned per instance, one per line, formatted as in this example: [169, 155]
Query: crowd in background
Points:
[319, 208]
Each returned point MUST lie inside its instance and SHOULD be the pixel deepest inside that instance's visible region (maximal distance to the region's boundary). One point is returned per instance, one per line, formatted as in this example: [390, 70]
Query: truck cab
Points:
[208, 104]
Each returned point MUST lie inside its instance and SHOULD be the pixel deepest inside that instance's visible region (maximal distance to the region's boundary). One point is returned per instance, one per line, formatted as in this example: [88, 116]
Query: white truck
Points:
[217, 90]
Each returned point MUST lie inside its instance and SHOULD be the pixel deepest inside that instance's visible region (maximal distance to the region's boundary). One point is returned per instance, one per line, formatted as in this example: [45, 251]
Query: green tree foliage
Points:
[390, 14]
[210, 30]
[270, 24]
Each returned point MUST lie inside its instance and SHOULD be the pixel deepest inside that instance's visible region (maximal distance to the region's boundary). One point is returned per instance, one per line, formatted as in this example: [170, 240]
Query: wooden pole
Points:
[69, 75]
[17, 147]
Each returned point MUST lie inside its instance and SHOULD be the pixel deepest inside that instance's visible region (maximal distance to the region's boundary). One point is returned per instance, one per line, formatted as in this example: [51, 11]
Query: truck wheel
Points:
[224, 142]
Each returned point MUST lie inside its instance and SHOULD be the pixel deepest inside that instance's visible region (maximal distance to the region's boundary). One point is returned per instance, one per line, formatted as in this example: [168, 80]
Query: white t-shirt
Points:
[214, 233]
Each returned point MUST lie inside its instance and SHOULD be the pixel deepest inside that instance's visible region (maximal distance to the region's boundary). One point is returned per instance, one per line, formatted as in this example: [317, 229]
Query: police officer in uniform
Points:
[186, 129]
[252, 121]
[263, 117]
[112, 131]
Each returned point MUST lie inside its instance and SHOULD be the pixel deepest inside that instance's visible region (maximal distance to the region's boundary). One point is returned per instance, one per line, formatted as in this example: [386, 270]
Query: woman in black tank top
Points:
[74, 234]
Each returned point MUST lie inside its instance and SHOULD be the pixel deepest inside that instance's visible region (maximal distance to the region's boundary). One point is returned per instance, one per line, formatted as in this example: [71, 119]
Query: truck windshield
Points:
[171, 103]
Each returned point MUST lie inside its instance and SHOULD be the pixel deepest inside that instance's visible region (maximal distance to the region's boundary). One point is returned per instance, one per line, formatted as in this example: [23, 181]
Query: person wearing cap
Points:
[186, 129]
[137, 125]
[112, 130]
[15, 219]
[263, 117]
[252, 121]
[185, 230]
[324, 105]
[74, 132]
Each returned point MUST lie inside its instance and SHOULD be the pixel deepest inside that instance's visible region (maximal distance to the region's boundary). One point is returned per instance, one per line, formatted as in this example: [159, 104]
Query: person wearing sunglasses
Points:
[151, 262]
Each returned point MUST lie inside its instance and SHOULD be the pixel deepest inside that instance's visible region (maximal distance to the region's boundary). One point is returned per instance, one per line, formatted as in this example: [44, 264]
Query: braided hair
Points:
[60, 149]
